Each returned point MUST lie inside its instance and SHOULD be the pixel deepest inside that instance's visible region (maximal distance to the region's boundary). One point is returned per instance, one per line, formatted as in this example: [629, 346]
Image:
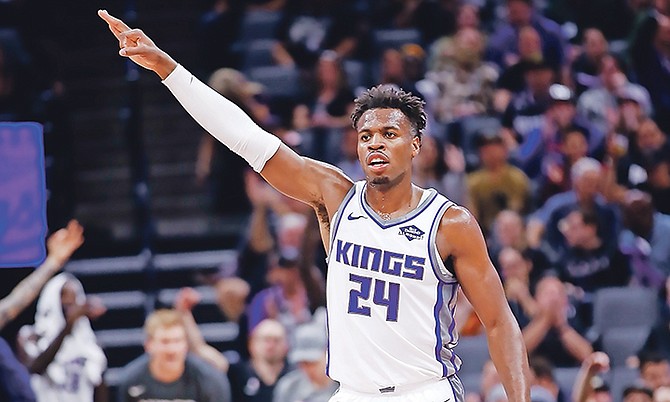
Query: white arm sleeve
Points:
[222, 118]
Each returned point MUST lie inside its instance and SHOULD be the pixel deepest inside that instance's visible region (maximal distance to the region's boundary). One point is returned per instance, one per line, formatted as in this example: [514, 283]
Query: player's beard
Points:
[385, 181]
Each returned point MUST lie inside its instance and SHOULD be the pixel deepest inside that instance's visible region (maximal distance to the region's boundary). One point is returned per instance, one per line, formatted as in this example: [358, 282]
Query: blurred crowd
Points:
[548, 119]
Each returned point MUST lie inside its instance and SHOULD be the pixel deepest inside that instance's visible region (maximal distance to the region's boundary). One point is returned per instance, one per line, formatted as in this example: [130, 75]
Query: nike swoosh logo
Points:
[351, 217]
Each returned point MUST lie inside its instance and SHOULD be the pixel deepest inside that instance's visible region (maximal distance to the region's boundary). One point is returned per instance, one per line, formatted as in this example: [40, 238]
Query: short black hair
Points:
[390, 97]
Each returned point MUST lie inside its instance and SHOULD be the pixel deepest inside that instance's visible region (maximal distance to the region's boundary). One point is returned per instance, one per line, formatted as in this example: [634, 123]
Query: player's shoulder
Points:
[457, 218]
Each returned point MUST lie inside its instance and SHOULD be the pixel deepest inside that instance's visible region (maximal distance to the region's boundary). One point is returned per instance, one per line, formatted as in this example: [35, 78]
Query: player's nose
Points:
[376, 142]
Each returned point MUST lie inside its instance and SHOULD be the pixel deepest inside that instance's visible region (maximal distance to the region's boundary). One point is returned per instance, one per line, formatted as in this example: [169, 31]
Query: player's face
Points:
[168, 347]
[386, 146]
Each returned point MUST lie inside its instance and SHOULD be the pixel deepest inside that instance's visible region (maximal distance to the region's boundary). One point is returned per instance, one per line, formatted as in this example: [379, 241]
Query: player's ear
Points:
[416, 145]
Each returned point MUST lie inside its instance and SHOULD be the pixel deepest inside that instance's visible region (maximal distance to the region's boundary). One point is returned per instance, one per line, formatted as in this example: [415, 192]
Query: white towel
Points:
[79, 363]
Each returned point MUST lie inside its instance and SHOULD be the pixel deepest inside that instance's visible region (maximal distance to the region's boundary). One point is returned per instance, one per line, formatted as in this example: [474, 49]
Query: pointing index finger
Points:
[115, 25]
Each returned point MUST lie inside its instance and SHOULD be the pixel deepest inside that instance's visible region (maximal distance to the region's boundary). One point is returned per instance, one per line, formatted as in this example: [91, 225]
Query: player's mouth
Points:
[377, 162]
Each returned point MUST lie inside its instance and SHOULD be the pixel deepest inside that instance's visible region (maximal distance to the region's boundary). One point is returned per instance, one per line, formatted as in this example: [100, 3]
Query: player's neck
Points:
[393, 201]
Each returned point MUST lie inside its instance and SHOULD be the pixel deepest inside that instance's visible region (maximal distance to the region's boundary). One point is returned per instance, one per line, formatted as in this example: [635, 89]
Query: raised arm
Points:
[186, 299]
[300, 178]
[460, 237]
[60, 247]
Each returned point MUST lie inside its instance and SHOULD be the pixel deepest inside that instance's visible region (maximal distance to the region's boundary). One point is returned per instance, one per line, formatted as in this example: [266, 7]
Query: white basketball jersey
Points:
[390, 298]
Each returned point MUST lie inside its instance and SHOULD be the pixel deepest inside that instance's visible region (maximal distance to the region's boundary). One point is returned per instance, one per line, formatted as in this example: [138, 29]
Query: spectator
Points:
[588, 386]
[550, 138]
[466, 85]
[651, 51]
[645, 240]
[516, 269]
[254, 380]
[442, 51]
[555, 178]
[598, 103]
[285, 300]
[324, 113]
[503, 49]
[555, 331]
[186, 299]
[215, 34]
[496, 185]
[60, 349]
[166, 371]
[544, 383]
[216, 165]
[348, 161]
[590, 261]
[511, 80]
[509, 230]
[309, 381]
[525, 110]
[658, 182]
[637, 393]
[442, 168]
[14, 378]
[311, 26]
[391, 68]
[658, 341]
[489, 379]
[654, 370]
[60, 246]
[586, 177]
[434, 19]
[584, 70]
[649, 139]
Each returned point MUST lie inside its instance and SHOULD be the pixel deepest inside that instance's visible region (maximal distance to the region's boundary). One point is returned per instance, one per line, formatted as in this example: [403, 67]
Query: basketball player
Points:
[397, 253]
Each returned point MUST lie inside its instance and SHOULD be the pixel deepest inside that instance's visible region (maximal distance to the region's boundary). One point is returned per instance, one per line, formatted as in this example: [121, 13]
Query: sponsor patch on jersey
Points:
[411, 232]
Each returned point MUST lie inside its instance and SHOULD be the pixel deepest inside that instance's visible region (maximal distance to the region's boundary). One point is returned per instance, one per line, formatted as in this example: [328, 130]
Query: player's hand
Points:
[136, 45]
[64, 242]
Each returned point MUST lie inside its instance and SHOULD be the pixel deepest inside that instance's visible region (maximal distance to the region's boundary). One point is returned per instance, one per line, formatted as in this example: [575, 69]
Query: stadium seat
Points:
[259, 24]
[464, 133]
[357, 74]
[565, 378]
[474, 352]
[619, 378]
[279, 82]
[618, 307]
[621, 343]
[258, 53]
[471, 382]
[394, 38]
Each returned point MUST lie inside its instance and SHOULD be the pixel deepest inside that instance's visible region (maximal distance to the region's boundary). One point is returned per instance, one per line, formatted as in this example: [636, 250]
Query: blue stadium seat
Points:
[565, 378]
[258, 53]
[474, 352]
[621, 343]
[279, 81]
[357, 74]
[259, 24]
[394, 38]
[619, 307]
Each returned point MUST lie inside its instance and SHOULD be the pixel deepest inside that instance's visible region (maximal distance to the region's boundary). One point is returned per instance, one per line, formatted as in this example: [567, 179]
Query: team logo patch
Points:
[411, 232]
